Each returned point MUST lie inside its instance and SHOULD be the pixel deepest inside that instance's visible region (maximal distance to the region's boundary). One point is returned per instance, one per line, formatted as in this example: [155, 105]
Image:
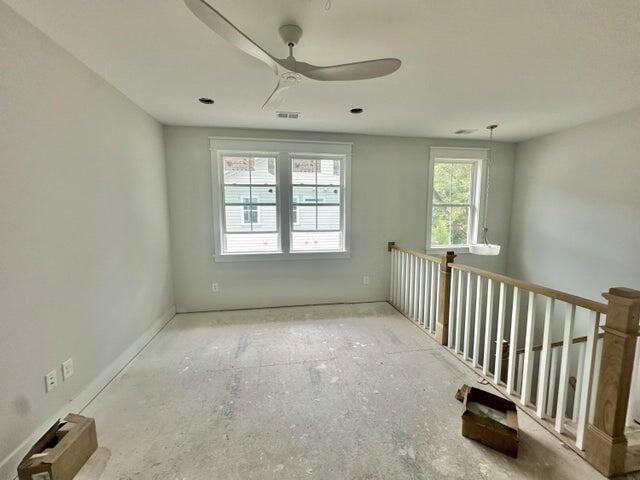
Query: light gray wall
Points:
[388, 197]
[575, 224]
[84, 238]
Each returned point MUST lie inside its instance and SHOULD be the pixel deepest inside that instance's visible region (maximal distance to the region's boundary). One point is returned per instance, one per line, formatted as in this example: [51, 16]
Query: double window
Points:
[455, 176]
[278, 198]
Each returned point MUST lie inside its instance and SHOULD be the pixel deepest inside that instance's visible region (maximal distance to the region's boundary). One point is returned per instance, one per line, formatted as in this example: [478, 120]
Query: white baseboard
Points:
[9, 465]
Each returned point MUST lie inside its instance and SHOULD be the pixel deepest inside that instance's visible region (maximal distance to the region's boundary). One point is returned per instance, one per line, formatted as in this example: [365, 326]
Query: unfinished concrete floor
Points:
[327, 392]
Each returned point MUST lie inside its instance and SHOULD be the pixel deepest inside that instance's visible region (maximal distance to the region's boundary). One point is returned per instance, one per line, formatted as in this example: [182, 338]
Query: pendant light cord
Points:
[485, 229]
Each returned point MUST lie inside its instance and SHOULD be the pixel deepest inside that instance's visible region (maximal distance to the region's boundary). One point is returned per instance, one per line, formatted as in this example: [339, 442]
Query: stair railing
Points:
[569, 361]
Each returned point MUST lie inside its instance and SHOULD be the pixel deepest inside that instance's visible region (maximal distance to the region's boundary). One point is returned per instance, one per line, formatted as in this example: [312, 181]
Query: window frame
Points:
[478, 158]
[283, 151]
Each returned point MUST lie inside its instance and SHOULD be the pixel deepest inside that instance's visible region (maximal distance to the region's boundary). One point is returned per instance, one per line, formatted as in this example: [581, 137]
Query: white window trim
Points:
[460, 154]
[283, 150]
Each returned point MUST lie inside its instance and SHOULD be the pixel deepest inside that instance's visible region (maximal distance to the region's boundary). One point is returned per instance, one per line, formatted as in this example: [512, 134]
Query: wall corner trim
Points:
[9, 465]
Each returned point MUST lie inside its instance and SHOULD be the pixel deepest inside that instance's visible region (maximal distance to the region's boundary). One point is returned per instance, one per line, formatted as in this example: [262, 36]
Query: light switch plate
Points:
[67, 368]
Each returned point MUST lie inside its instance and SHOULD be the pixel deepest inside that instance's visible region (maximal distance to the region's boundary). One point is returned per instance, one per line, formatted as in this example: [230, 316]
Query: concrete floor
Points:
[353, 392]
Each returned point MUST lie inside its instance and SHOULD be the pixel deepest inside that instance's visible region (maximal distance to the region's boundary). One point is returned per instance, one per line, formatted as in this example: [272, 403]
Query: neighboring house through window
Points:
[455, 175]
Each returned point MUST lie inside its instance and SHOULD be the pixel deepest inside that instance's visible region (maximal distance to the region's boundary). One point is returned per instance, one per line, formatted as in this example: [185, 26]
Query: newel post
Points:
[442, 326]
[605, 443]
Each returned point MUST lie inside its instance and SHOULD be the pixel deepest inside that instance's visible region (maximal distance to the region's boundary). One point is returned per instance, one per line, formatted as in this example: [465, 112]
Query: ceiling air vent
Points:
[293, 115]
[465, 131]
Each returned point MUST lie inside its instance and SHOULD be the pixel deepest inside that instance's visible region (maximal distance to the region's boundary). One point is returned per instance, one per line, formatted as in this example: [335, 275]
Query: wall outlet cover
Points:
[67, 368]
[214, 288]
[50, 380]
[365, 280]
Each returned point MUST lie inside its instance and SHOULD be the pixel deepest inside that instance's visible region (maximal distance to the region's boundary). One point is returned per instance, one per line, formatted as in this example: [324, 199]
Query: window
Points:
[316, 196]
[250, 203]
[454, 200]
[280, 199]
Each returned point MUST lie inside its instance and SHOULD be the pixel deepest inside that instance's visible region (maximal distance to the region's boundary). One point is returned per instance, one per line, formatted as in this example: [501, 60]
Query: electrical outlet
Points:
[50, 381]
[365, 280]
[67, 368]
[214, 288]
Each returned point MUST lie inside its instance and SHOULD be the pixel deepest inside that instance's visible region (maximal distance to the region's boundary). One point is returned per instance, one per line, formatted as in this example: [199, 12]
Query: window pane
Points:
[452, 182]
[459, 225]
[263, 171]
[263, 194]
[442, 183]
[237, 219]
[316, 241]
[440, 233]
[234, 194]
[266, 219]
[328, 217]
[303, 171]
[450, 226]
[236, 169]
[329, 172]
[304, 195]
[461, 177]
[252, 243]
[328, 194]
[306, 218]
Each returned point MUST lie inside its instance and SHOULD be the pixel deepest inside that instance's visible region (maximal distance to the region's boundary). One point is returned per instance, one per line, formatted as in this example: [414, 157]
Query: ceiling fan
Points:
[288, 70]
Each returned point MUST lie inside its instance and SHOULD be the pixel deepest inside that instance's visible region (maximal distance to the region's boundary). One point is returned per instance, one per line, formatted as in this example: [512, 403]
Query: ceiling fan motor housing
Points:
[290, 34]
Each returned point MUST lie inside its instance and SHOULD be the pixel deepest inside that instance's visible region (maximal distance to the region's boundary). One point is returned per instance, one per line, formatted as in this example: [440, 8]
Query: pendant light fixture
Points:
[486, 248]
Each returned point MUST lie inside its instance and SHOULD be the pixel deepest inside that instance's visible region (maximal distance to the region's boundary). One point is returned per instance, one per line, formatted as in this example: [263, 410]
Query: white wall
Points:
[575, 224]
[388, 196]
[84, 242]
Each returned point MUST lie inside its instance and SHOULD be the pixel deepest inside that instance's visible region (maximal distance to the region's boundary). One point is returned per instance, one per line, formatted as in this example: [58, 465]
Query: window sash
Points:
[247, 207]
[342, 162]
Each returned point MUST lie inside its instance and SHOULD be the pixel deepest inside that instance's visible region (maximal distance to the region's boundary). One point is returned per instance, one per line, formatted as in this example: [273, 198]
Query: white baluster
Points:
[391, 278]
[563, 383]
[487, 329]
[420, 317]
[411, 285]
[578, 389]
[500, 334]
[545, 354]
[513, 341]
[436, 303]
[553, 373]
[520, 371]
[527, 374]
[434, 299]
[427, 295]
[589, 362]
[459, 312]
[477, 321]
[451, 309]
[406, 283]
[467, 319]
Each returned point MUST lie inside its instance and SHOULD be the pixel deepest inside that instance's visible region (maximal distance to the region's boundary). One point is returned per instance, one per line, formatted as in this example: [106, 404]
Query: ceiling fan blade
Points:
[227, 30]
[278, 95]
[350, 71]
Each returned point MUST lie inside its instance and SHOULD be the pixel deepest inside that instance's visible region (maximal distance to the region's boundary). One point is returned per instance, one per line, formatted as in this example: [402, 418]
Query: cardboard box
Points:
[61, 452]
[490, 420]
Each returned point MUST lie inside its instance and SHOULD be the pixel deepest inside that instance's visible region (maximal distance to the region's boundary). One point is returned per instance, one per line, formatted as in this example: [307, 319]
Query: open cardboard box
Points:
[489, 419]
[61, 452]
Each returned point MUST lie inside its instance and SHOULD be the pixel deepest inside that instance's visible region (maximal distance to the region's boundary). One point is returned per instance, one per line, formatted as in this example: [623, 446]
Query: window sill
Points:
[268, 257]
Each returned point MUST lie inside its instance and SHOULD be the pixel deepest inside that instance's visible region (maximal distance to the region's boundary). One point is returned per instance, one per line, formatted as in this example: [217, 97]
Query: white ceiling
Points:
[533, 66]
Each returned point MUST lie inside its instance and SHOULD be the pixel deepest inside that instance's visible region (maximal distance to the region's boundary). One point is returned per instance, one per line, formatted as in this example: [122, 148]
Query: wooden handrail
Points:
[416, 253]
[532, 287]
